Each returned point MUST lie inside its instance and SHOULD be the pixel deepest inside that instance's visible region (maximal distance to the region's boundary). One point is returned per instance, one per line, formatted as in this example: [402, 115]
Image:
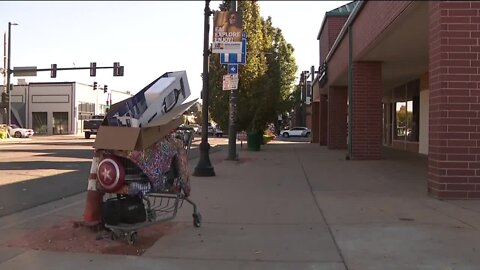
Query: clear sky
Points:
[148, 38]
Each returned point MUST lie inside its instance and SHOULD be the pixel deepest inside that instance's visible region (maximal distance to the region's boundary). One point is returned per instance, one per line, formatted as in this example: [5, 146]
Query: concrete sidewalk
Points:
[289, 206]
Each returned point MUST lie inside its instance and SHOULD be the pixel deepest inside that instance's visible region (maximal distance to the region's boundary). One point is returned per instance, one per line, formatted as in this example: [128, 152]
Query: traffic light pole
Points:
[9, 90]
[31, 71]
[204, 167]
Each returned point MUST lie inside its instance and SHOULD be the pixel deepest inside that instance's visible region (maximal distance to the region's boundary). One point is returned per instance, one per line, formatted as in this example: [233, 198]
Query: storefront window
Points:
[406, 102]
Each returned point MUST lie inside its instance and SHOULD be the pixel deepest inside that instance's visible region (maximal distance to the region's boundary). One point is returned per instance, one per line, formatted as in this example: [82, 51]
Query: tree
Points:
[265, 81]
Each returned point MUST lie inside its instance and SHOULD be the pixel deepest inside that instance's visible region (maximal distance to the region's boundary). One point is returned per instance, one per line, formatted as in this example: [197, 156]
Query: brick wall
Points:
[454, 126]
[315, 122]
[323, 43]
[337, 118]
[367, 110]
[372, 21]
[323, 119]
[333, 26]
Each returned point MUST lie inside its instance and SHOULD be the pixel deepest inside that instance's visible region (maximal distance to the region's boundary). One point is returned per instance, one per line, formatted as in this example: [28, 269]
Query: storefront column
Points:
[323, 110]
[367, 111]
[337, 117]
[454, 123]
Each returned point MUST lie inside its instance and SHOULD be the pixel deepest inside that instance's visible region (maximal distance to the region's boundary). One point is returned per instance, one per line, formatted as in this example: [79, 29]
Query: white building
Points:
[58, 107]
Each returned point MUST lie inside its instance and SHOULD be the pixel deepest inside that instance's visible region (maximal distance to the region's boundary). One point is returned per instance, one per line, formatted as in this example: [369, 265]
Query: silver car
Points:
[296, 131]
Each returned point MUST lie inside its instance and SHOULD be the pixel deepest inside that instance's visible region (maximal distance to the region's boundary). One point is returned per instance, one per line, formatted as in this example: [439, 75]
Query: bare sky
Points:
[148, 38]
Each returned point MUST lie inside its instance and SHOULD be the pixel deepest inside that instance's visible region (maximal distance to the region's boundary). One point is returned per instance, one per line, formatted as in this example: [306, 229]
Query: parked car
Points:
[90, 126]
[217, 132]
[18, 132]
[296, 131]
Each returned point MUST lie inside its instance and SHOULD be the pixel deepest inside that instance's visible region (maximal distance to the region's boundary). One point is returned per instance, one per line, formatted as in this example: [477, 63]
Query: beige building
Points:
[58, 107]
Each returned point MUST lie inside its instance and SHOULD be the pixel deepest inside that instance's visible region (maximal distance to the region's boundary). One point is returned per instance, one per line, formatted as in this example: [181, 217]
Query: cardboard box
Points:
[129, 138]
[140, 121]
[136, 138]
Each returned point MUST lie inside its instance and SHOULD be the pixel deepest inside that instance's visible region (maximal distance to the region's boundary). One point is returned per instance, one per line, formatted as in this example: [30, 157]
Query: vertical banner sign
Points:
[227, 32]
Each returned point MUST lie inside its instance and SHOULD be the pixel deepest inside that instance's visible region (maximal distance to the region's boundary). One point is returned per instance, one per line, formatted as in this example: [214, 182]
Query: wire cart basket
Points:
[155, 185]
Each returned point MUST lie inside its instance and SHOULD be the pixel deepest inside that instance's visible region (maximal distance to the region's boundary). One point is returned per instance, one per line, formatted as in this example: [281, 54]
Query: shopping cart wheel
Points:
[197, 219]
[114, 236]
[132, 237]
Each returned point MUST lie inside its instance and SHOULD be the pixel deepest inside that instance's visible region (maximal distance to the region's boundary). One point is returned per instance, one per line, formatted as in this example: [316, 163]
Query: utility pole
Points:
[232, 127]
[204, 167]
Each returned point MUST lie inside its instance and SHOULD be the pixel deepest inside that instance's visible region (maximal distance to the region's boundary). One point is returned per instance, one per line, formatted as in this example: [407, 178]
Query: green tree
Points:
[265, 81]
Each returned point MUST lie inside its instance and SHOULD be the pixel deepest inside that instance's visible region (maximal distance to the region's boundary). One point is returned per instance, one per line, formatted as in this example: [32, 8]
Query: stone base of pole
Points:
[204, 167]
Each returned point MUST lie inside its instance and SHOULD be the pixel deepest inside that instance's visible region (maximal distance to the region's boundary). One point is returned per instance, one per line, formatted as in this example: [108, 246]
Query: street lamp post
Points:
[232, 127]
[9, 91]
[204, 167]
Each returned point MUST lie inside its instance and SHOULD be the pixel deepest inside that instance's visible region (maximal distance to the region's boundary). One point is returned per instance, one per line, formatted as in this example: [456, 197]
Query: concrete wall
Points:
[51, 98]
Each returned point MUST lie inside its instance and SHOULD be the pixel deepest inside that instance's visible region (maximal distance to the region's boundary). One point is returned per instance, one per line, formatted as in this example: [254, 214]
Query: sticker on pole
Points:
[230, 82]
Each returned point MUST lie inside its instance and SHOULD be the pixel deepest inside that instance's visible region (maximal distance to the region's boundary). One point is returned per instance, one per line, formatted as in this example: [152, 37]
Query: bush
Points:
[268, 136]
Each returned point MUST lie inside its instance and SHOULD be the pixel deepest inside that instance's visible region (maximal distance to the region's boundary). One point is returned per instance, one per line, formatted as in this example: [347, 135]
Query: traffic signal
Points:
[95, 85]
[105, 88]
[93, 69]
[117, 69]
[53, 71]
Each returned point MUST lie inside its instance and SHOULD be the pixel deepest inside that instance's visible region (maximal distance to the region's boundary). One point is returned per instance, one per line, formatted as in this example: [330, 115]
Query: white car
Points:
[296, 131]
[18, 132]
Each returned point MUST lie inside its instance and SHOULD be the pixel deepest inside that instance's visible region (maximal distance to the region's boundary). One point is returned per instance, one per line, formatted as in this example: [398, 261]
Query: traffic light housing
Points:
[53, 71]
[117, 69]
[93, 69]
[105, 88]
[95, 85]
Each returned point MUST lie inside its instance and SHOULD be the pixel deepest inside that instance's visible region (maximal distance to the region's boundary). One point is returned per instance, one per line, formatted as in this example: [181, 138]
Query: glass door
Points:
[60, 123]
[39, 122]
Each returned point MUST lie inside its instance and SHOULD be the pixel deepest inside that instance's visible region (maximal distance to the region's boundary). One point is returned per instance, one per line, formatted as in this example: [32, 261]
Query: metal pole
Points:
[350, 92]
[9, 91]
[232, 127]
[204, 167]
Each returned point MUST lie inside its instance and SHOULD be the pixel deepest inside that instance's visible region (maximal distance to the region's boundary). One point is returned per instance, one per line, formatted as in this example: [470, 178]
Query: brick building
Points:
[405, 75]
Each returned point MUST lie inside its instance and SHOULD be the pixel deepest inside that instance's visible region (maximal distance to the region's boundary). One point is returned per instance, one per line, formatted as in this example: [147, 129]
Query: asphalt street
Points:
[47, 168]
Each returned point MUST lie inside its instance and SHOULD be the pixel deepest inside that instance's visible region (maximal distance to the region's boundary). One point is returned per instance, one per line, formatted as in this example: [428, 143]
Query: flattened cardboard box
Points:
[128, 138]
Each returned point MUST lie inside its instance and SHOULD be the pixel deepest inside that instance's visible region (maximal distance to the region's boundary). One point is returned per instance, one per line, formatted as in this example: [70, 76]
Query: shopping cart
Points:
[146, 187]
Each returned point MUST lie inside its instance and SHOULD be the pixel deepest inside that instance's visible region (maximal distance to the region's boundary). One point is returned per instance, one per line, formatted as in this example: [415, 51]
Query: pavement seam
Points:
[240, 260]
[453, 217]
[317, 204]
[254, 224]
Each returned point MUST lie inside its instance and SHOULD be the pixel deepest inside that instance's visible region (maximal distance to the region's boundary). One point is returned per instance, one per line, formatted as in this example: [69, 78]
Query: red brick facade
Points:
[337, 118]
[333, 26]
[315, 121]
[323, 119]
[449, 103]
[367, 110]
[454, 60]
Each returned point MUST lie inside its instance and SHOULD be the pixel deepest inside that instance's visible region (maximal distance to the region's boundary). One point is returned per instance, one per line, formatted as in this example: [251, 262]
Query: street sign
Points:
[235, 58]
[24, 71]
[230, 82]
[233, 69]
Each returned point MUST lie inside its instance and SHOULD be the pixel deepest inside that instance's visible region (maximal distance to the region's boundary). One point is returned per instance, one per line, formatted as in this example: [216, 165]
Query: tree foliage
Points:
[265, 82]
